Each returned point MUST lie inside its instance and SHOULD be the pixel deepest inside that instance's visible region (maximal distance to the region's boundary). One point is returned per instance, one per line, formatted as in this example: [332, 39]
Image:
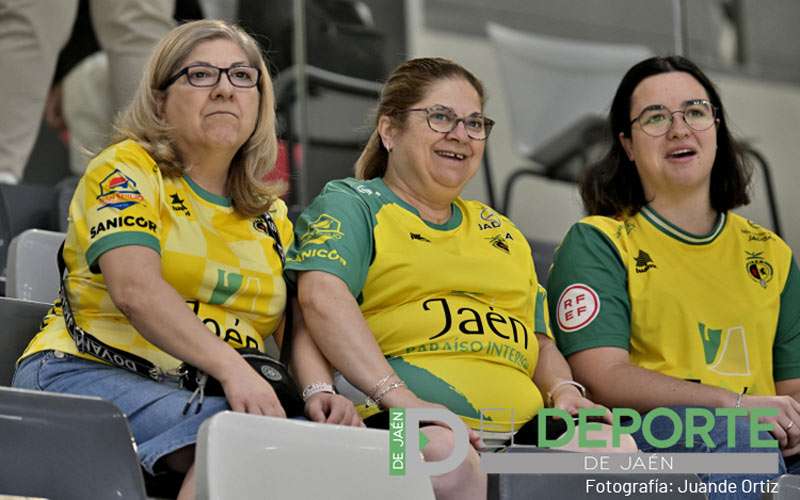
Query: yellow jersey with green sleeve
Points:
[722, 309]
[454, 306]
[223, 264]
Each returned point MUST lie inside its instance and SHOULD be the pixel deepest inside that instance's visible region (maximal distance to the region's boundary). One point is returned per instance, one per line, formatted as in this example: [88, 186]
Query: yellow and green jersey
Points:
[453, 306]
[223, 264]
[722, 309]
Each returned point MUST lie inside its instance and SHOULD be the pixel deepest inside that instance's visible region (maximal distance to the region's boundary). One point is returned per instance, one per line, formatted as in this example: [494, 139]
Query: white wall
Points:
[766, 114]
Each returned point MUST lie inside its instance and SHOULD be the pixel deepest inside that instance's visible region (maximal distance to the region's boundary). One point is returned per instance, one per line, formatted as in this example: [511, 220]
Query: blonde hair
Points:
[142, 122]
[407, 85]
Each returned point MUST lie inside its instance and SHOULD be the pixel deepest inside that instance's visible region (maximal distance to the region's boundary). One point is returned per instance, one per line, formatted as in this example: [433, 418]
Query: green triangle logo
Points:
[423, 440]
[711, 339]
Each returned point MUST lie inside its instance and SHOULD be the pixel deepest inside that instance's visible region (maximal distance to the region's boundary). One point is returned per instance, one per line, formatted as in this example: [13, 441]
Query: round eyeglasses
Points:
[206, 75]
[656, 120]
[444, 120]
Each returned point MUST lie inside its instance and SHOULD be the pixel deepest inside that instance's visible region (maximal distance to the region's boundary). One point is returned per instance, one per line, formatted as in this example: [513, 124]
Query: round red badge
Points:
[577, 307]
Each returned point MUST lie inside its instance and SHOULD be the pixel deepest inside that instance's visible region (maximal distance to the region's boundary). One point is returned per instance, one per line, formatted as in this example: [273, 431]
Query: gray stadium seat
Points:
[247, 456]
[543, 253]
[788, 488]
[31, 266]
[66, 447]
[19, 322]
[24, 206]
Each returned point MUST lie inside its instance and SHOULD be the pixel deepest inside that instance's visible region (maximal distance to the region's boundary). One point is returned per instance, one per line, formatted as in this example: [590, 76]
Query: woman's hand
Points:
[247, 392]
[569, 399]
[786, 424]
[327, 408]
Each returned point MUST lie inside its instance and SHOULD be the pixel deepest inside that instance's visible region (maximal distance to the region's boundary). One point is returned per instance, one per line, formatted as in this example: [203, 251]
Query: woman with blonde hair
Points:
[174, 254]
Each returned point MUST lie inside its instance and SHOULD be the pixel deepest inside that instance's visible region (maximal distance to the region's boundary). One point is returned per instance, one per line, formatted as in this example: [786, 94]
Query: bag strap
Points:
[286, 344]
[91, 345]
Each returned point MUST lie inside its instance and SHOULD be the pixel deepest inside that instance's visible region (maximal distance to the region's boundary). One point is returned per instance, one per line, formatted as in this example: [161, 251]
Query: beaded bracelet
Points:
[316, 388]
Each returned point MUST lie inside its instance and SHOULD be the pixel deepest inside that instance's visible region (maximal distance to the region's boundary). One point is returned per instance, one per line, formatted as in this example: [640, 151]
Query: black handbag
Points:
[272, 370]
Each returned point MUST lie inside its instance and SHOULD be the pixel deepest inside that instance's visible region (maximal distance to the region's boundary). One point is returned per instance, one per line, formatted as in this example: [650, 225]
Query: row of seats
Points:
[71, 447]
[233, 450]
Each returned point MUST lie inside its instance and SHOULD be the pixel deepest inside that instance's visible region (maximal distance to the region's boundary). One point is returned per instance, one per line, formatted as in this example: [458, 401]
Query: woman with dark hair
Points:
[662, 286]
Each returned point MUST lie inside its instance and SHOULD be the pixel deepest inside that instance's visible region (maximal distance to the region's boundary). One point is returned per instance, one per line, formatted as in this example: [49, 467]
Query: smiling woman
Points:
[434, 300]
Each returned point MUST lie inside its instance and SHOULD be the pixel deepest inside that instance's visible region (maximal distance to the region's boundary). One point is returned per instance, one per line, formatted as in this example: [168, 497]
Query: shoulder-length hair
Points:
[142, 120]
[613, 187]
[408, 84]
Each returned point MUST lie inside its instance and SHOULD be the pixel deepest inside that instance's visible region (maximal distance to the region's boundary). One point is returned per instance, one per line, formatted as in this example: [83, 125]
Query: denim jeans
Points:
[662, 428]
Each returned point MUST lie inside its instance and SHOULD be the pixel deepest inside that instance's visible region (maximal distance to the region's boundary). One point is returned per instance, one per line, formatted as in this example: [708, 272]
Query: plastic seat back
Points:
[554, 82]
[66, 447]
[20, 320]
[247, 456]
[31, 268]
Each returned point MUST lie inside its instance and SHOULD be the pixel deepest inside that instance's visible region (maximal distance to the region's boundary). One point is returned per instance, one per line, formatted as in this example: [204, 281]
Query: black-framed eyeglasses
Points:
[444, 120]
[207, 75]
[656, 120]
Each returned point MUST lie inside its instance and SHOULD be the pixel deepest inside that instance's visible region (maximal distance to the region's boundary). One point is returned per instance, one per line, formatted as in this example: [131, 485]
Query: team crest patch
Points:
[758, 268]
[321, 230]
[261, 224]
[577, 307]
[118, 191]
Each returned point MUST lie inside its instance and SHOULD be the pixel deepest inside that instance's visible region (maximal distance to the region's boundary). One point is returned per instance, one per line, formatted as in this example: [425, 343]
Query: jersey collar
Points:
[216, 199]
[452, 223]
[679, 234]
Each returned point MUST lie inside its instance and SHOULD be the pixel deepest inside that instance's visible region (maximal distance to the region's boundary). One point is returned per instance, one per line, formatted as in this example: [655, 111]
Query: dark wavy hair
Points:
[612, 186]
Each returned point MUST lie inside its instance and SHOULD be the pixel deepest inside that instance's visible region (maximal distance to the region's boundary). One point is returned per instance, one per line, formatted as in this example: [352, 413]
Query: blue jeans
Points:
[662, 428]
[154, 410]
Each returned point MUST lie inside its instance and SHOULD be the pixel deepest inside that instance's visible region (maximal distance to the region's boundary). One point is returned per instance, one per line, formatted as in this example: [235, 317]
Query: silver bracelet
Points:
[376, 400]
[553, 390]
[316, 388]
[380, 383]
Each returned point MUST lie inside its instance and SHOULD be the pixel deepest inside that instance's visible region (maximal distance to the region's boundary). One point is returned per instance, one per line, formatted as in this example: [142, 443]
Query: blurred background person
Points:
[33, 34]
[80, 106]
[662, 285]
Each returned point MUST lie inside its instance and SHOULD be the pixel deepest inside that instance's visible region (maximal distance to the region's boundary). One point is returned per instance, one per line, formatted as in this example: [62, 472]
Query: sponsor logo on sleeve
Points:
[119, 191]
[321, 230]
[577, 307]
[122, 221]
